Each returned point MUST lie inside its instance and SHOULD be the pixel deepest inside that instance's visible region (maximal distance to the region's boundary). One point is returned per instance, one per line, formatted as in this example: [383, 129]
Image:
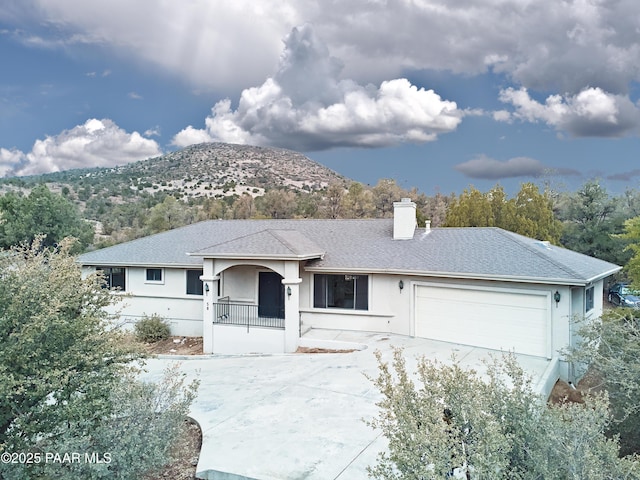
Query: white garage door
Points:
[495, 319]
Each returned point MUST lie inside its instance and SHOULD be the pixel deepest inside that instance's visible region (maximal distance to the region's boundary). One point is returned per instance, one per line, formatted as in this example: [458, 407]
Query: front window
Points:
[194, 284]
[114, 277]
[589, 299]
[341, 291]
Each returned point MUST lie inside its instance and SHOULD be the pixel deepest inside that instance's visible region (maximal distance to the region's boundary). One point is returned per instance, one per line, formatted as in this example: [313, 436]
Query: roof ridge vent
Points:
[543, 244]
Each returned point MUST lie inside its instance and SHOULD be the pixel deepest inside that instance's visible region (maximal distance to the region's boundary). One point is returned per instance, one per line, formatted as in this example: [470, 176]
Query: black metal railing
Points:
[227, 313]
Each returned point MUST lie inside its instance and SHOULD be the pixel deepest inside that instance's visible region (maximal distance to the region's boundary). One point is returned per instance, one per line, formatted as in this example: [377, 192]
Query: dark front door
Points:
[270, 295]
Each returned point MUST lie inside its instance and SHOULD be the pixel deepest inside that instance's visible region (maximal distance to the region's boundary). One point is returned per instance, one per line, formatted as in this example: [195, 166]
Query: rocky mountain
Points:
[204, 170]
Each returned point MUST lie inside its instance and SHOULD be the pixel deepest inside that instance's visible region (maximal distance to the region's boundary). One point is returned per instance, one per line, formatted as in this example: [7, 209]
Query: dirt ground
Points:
[176, 346]
[321, 350]
[564, 392]
[193, 346]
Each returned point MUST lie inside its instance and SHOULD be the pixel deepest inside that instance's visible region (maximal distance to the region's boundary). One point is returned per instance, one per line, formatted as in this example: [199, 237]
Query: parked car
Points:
[622, 295]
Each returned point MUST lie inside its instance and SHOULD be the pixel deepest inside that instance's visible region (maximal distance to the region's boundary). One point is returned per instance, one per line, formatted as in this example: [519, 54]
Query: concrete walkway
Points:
[301, 416]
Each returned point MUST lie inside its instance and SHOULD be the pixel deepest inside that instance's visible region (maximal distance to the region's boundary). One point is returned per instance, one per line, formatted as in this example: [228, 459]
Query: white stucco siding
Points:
[231, 339]
[389, 308]
[167, 299]
[183, 315]
[240, 283]
[503, 319]
[394, 310]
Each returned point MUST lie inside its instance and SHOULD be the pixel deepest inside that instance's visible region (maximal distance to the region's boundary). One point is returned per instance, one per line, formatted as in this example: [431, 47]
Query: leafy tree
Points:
[502, 210]
[167, 215]
[632, 235]
[631, 203]
[244, 207]
[436, 207]
[213, 209]
[278, 204]
[308, 205]
[534, 215]
[451, 421]
[529, 213]
[333, 199]
[42, 213]
[611, 348]
[66, 383]
[591, 222]
[385, 193]
[471, 209]
[358, 202]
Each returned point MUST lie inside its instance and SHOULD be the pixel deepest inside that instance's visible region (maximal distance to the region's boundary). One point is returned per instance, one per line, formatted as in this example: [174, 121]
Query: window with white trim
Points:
[194, 284]
[114, 277]
[341, 291]
[588, 295]
[154, 275]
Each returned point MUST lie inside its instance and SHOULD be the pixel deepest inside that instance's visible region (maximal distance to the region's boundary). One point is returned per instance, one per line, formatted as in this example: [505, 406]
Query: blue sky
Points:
[439, 95]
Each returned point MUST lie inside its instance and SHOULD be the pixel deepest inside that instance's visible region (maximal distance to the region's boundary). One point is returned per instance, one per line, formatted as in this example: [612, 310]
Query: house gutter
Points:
[468, 276]
[137, 264]
[275, 256]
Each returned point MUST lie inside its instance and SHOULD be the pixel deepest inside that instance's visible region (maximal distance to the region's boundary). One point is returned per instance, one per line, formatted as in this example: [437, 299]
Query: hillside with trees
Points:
[216, 180]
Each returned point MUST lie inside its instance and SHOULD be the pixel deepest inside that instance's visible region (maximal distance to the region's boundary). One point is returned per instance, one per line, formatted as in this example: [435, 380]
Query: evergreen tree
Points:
[41, 213]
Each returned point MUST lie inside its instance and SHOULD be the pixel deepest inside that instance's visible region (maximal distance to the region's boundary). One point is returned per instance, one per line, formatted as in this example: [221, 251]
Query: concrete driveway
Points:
[301, 416]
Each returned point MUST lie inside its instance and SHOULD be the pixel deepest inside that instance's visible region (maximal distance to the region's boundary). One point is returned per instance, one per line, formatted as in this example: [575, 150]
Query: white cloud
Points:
[152, 132]
[591, 112]
[542, 45]
[213, 44]
[306, 106]
[486, 168]
[96, 143]
[501, 116]
[9, 159]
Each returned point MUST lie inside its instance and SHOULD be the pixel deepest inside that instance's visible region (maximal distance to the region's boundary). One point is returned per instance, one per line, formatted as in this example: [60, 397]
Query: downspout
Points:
[572, 372]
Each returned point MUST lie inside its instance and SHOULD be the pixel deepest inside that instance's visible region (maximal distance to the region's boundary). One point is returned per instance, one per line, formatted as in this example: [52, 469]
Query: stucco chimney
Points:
[404, 219]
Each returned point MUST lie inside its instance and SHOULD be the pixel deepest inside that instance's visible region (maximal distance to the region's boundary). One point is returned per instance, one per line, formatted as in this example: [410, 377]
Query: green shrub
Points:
[152, 329]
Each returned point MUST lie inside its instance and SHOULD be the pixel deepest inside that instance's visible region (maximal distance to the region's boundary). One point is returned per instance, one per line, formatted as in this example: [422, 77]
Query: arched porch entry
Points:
[253, 306]
[251, 296]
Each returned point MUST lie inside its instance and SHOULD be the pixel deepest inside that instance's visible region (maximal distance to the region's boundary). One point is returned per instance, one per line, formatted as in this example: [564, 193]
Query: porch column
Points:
[209, 297]
[291, 284]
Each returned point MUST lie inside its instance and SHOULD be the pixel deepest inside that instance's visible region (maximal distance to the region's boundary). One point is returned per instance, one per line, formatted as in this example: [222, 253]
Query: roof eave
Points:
[604, 275]
[258, 256]
[467, 276]
[138, 264]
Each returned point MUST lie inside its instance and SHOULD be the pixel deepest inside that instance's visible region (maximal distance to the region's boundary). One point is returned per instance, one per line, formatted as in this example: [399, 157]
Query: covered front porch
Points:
[251, 301]
[251, 308]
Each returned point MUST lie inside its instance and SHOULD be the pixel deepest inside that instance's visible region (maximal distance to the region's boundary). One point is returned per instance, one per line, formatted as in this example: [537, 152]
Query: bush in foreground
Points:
[67, 385]
[451, 421]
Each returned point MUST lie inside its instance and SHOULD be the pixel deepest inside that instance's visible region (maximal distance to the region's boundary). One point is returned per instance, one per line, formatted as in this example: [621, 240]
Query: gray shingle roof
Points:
[366, 246]
[266, 243]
